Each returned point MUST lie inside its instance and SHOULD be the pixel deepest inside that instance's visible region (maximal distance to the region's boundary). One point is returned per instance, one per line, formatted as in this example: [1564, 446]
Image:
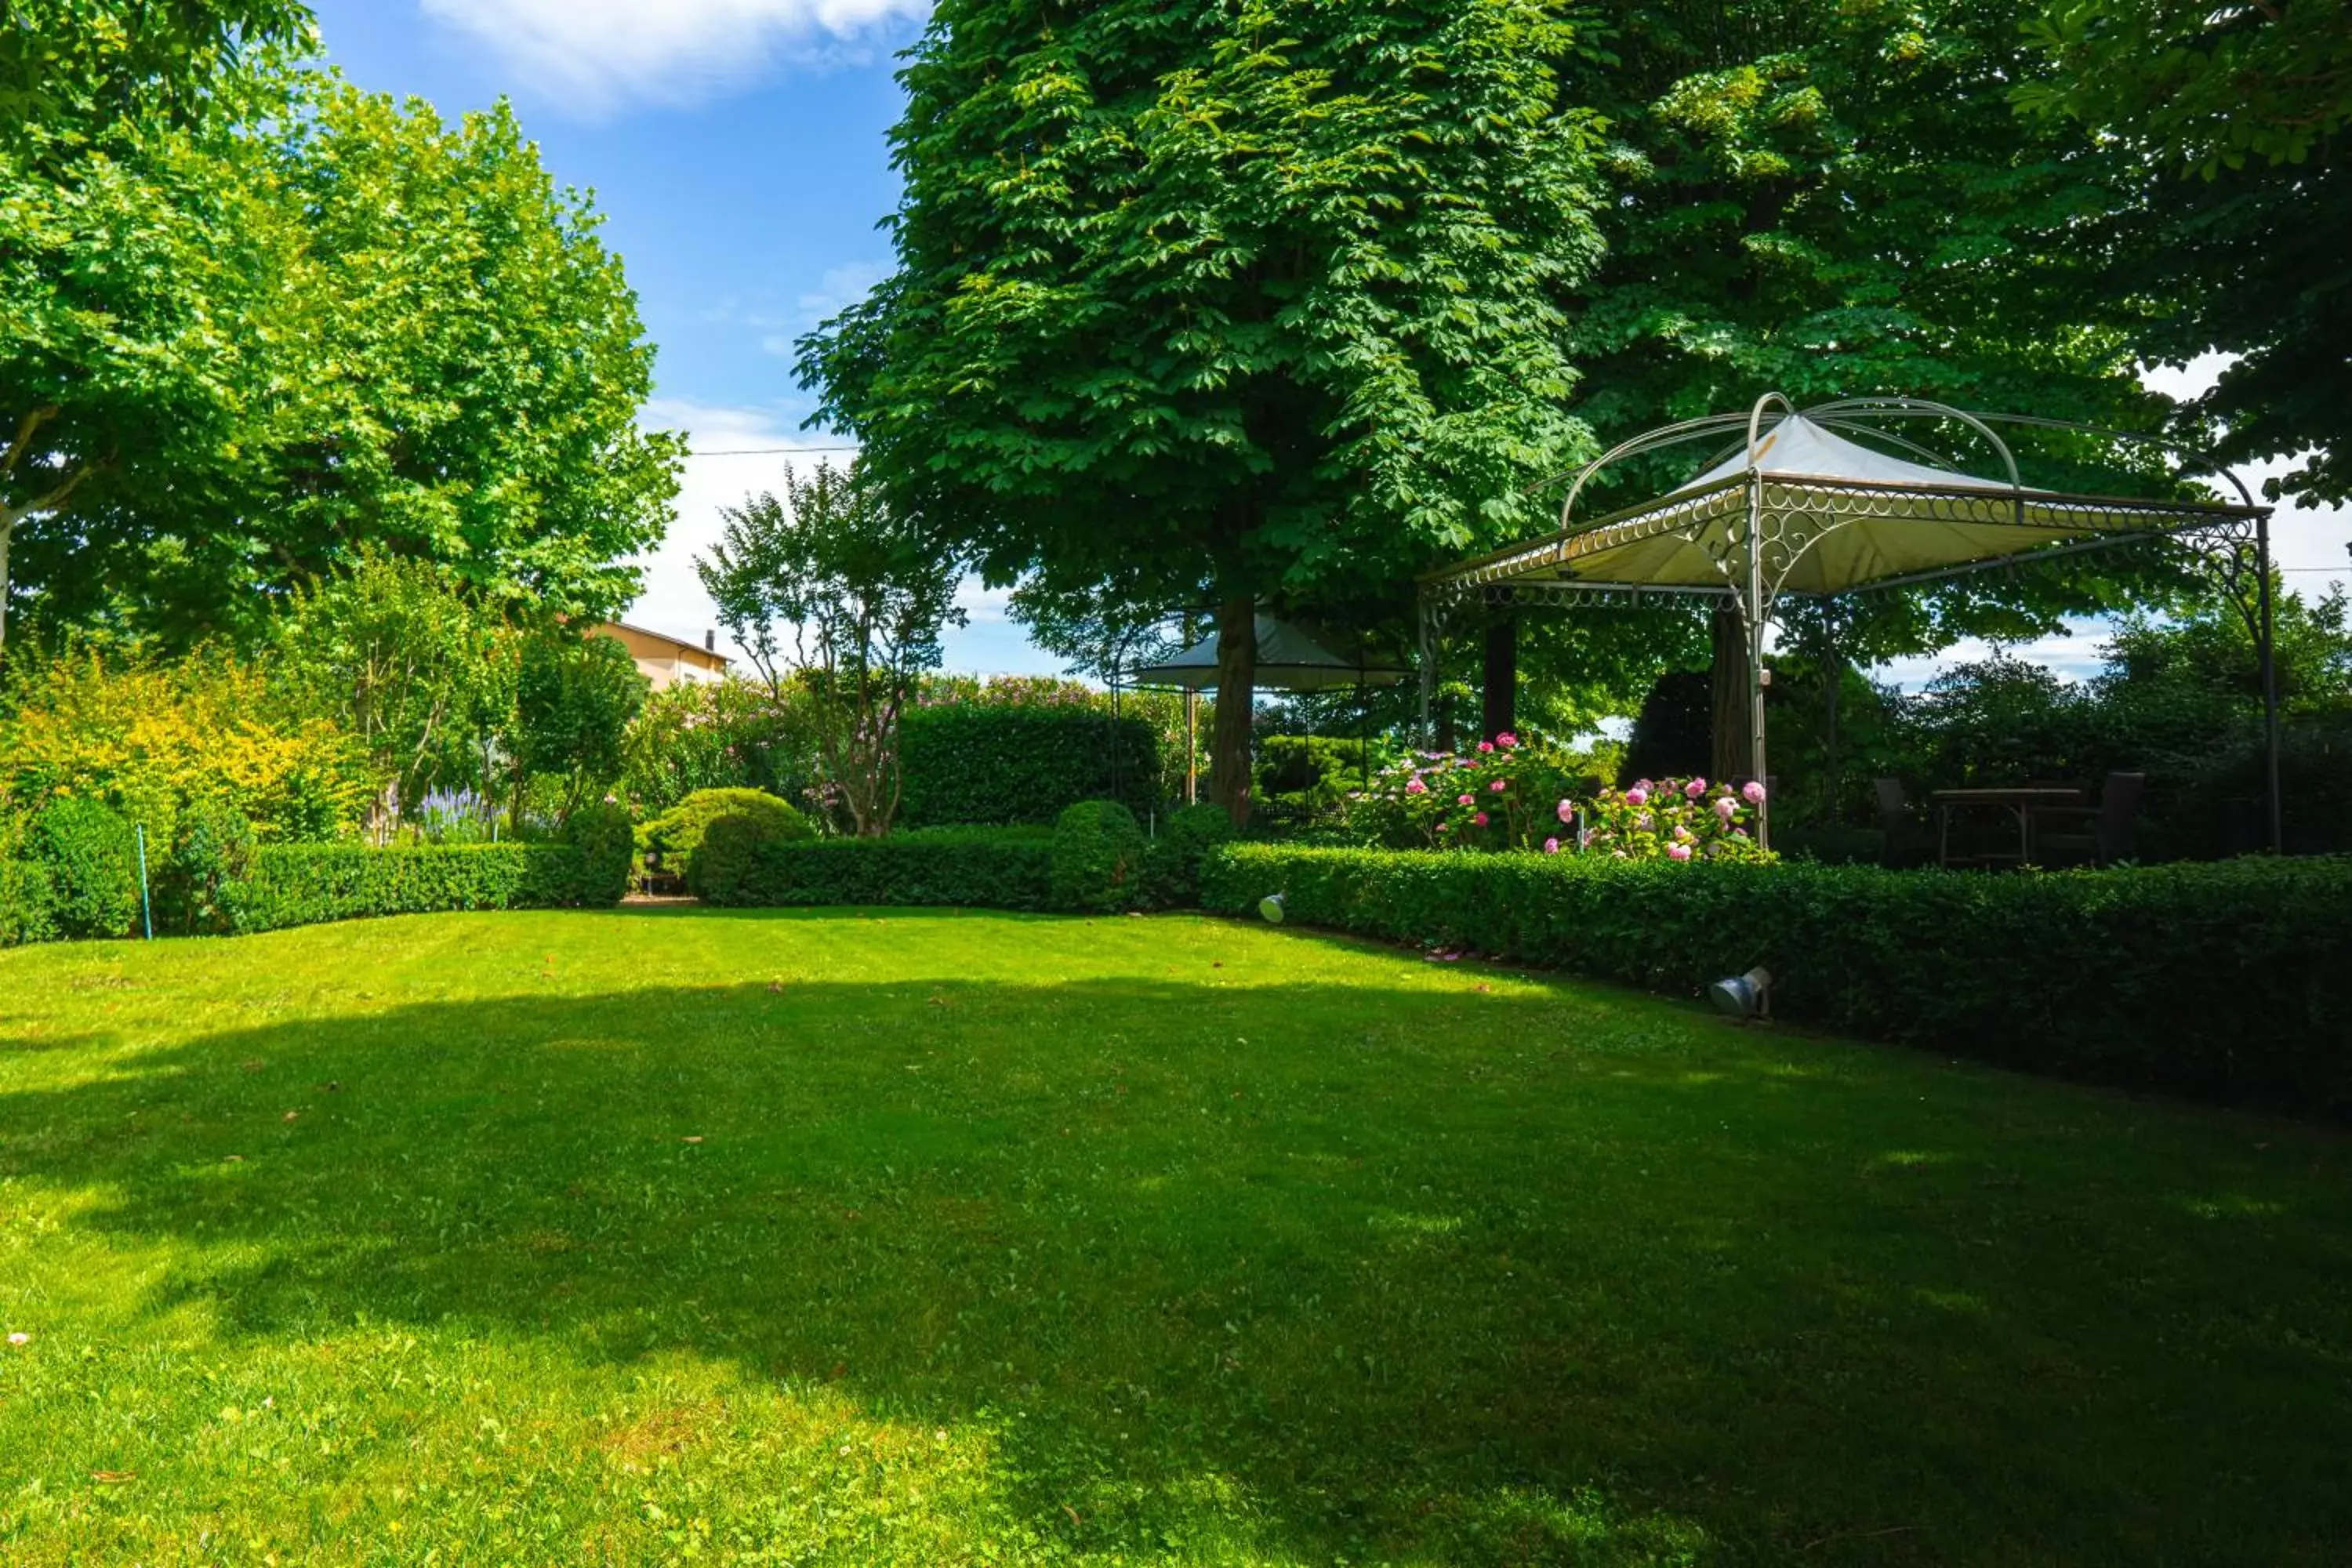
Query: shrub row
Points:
[2230, 980]
[306, 884]
[1007, 766]
[985, 868]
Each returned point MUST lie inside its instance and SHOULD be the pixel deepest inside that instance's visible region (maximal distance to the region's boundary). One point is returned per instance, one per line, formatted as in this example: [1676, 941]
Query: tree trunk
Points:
[1732, 751]
[1499, 689]
[1229, 732]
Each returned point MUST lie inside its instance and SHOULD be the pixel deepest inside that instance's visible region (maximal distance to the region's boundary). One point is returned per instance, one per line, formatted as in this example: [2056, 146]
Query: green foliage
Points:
[1097, 857]
[718, 734]
[237, 348]
[212, 849]
[723, 858]
[576, 699]
[91, 860]
[976, 867]
[675, 836]
[1254, 303]
[606, 841]
[152, 738]
[1171, 863]
[306, 884]
[1311, 774]
[24, 893]
[417, 673]
[867, 589]
[2222, 981]
[1511, 793]
[991, 764]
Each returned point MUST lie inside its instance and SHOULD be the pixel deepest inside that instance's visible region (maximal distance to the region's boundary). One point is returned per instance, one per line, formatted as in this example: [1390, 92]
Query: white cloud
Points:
[593, 55]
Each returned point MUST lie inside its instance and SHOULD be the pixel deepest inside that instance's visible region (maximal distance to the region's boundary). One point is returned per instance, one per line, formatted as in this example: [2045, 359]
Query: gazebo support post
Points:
[2267, 650]
[1499, 679]
[1191, 745]
[1754, 609]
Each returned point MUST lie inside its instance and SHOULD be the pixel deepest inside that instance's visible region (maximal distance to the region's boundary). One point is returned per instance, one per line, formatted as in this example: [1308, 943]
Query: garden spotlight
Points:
[1271, 908]
[1748, 996]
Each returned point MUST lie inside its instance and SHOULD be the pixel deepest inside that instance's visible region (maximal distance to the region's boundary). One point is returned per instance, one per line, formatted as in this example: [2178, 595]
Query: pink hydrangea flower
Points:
[1682, 834]
[1464, 799]
[1485, 745]
[1506, 739]
[1414, 786]
[1679, 851]
[1568, 811]
[1695, 789]
[1497, 785]
[1725, 805]
[1444, 827]
[1637, 795]
[1480, 819]
[1754, 791]
[1552, 845]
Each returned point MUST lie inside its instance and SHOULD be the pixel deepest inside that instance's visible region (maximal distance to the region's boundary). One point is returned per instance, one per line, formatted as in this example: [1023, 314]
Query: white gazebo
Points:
[1798, 507]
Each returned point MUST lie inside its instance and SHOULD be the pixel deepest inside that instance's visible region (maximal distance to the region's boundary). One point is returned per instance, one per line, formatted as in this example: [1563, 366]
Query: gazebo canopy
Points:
[1287, 660]
[1832, 515]
[1796, 508]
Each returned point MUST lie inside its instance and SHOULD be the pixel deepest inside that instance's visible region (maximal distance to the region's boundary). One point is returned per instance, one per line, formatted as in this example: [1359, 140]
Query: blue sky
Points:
[735, 149]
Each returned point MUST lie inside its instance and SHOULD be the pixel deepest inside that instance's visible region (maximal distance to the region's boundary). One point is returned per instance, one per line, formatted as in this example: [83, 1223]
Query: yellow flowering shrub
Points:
[148, 737]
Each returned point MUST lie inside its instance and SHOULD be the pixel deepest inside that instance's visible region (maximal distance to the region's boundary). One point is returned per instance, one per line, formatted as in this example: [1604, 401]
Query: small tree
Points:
[576, 699]
[866, 592]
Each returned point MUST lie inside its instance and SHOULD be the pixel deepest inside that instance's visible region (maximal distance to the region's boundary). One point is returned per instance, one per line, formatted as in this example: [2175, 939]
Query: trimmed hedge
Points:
[607, 844]
[969, 764]
[986, 868]
[2230, 980]
[676, 834]
[1097, 860]
[91, 858]
[307, 884]
[1172, 864]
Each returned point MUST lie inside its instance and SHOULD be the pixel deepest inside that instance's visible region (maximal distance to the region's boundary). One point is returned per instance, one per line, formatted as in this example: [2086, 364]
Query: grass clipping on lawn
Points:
[934, 1237]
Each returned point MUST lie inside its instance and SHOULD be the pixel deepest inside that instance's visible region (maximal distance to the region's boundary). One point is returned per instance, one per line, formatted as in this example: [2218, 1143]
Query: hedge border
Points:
[2229, 981]
[311, 884]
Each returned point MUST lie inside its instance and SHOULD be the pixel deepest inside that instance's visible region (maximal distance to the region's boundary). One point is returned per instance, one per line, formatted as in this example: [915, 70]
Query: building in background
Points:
[666, 661]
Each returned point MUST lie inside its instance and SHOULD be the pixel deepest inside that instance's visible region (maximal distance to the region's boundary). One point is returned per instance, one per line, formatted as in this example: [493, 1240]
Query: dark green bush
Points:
[212, 848]
[2230, 981]
[306, 884]
[92, 861]
[676, 835]
[607, 844]
[1097, 857]
[24, 887]
[1004, 868]
[974, 764]
[1172, 864]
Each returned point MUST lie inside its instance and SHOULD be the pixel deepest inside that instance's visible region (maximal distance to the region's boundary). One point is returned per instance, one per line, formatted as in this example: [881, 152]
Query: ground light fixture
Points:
[1748, 996]
[1270, 907]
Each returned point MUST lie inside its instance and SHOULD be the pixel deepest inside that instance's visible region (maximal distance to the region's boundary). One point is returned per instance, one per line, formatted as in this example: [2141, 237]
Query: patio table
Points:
[2018, 801]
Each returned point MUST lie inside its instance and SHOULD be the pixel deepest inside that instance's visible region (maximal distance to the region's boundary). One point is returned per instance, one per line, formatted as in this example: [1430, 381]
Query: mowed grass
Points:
[942, 1238]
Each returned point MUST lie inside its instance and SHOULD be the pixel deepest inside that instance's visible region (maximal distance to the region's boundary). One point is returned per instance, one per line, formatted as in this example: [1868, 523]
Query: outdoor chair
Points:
[2098, 834]
[1905, 841]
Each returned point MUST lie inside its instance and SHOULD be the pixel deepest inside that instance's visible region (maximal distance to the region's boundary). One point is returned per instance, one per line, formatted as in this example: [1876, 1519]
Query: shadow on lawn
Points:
[1494, 1278]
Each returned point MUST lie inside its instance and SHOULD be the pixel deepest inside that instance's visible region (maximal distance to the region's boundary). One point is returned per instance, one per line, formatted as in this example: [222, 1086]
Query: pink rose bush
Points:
[1678, 820]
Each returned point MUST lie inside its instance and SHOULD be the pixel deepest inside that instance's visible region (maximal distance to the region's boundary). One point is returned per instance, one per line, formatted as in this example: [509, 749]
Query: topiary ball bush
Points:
[724, 860]
[677, 835]
[1097, 857]
[1172, 867]
[211, 849]
[92, 862]
[606, 840]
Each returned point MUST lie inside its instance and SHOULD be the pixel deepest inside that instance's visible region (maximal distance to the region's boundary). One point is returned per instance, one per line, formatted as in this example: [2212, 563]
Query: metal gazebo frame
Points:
[1755, 535]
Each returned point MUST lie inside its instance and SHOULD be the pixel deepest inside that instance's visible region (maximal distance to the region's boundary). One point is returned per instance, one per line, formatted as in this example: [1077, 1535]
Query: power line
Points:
[766, 452]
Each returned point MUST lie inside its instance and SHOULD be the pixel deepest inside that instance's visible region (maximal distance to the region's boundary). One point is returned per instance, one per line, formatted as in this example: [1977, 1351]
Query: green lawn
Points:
[939, 1237]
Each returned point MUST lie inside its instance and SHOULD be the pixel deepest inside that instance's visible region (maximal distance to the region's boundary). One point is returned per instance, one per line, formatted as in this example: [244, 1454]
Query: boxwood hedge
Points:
[991, 765]
[2230, 981]
[983, 868]
[305, 884]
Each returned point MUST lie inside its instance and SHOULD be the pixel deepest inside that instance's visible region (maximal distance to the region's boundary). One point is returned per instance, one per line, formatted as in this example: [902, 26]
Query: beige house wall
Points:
[664, 660]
